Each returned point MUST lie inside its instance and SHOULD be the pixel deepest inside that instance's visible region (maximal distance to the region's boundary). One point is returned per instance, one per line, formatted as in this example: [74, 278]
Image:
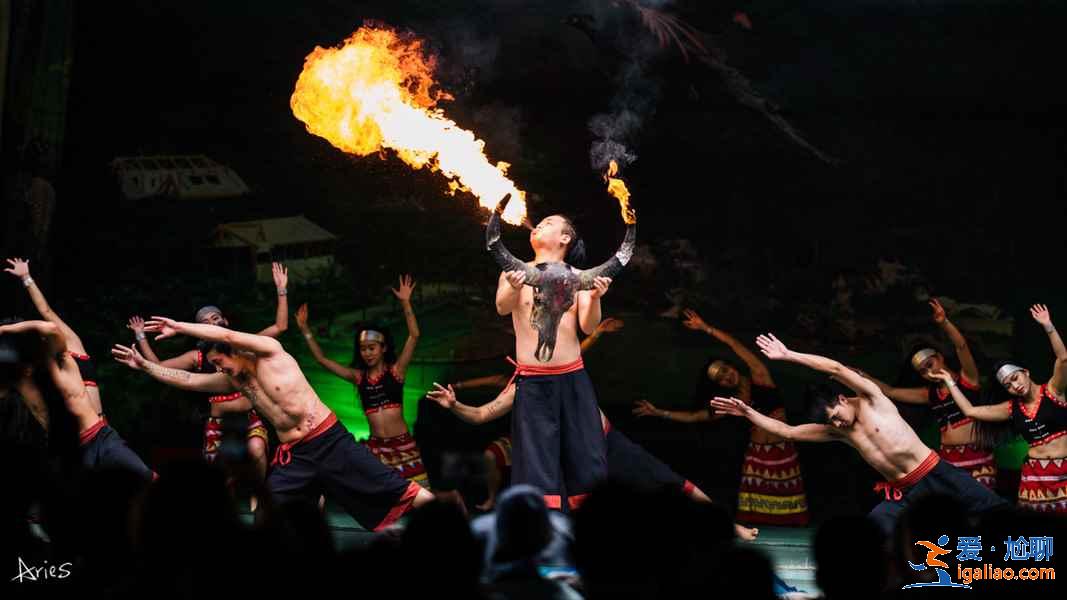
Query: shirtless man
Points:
[99, 446]
[870, 423]
[317, 454]
[225, 404]
[557, 438]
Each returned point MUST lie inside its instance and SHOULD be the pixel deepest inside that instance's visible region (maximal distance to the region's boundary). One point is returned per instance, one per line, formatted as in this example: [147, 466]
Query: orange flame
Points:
[617, 188]
[377, 91]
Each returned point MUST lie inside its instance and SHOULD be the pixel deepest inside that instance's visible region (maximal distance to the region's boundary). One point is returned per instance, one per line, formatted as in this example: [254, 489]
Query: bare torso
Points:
[884, 439]
[76, 395]
[567, 349]
[282, 395]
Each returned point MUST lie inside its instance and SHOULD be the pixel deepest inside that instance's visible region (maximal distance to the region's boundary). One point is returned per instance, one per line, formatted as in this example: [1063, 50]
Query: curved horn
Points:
[500, 253]
[614, 265]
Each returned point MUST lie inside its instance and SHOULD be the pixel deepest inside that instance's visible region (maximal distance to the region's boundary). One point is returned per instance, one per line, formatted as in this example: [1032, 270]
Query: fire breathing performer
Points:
[317, 454]
[232, 403]
[99, 446]
[961, 444]
[74, 347]
[378, 375]
[1039, 414]
[772, 489]
[557, 438]
[870, 423]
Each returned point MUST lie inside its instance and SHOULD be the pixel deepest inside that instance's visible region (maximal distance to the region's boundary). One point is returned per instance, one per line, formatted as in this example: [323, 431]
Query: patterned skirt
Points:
[401, 453]
[772, 490]
[974, 460]
[1043, 485]
[213, 434]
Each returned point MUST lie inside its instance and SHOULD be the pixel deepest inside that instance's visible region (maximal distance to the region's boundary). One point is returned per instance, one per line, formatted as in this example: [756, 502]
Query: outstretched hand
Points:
[1040, 314]
[644, 408]
[407, 285]
[772, 347]
[444, 396]
[939, 311]
[280, 274]
[129, 356]
[19, 268]
[943, 375]
[693, 321]
[730, 406]
[135, 324]
[163, 326]
[302, 317]
[609, 325]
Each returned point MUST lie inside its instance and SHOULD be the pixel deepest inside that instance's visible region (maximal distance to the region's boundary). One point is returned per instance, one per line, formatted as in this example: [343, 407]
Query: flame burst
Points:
[617, 188]
[377, 91]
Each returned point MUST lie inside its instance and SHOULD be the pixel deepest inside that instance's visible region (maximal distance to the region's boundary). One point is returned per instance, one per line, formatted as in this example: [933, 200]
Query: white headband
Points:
[1006, 371]
[369, 335]
[918, 358]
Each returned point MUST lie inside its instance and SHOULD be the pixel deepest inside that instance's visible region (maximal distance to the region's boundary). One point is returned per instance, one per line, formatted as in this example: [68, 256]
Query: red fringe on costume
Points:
[974, 460]
[401, 453]
[772, 490]
[1043, 485]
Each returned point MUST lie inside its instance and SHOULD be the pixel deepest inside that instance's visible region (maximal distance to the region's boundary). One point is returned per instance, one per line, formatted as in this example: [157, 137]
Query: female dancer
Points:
[378, 374]
[960, 443]
[772, 490]
[1039, 413]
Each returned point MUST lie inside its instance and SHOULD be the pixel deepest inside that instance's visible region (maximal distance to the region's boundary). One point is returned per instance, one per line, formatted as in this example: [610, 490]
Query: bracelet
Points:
[139, 336]
[307, 334]
[1050, 329]
[282, 291]
[27, 281]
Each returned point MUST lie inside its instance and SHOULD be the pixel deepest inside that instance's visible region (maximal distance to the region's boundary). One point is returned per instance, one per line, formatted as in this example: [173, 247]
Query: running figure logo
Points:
[932, 560]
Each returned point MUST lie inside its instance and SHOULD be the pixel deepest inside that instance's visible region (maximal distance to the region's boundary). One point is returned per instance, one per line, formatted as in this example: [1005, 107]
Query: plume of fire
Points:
[617, 188]
[376, 92]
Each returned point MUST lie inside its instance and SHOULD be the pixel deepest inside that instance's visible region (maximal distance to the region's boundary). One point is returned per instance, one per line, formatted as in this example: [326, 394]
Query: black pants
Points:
[557, 438]
[634, 467]
[334, 464]
[945, 480]
[107, 450]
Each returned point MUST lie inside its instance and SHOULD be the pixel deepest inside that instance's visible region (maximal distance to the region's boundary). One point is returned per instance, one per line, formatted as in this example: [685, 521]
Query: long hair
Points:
[389, 356]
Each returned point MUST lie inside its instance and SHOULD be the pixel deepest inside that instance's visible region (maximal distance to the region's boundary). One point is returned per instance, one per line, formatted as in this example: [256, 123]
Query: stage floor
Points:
[789, 548]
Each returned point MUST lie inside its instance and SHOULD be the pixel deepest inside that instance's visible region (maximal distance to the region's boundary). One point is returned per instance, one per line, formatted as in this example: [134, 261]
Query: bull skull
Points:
[554, 283]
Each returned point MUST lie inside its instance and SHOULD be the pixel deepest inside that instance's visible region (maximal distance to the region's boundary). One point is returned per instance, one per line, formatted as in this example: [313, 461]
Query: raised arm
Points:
[61, 367]
[21, 269]
[773, 349]
[1040, 314]
[260, 344]
[332, 366]
[992, 412]
[589, 305]
[281, 314]
[213, 383]
[508, 288]
[498, 407]
[606, 326]
[904, 395]
[760, 374]
[644, 408]
[809, 432]
[52, 333]
[403, 294]
[968, 368]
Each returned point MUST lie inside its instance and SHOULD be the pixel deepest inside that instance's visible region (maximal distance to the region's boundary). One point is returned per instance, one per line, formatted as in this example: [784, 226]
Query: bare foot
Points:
[747, 534]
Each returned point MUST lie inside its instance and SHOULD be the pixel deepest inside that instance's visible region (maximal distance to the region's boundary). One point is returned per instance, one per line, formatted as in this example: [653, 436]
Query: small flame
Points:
[617, 188]
[377, 91]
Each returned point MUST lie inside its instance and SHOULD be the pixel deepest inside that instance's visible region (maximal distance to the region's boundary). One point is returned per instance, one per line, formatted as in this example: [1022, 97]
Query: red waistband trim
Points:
[90, 383]
[538, 370]
[79, 356]
[553, 502]
[87, 436]
[897, 487]
[575, 501]
[224, 397]
[377, 409]
[284, 455]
